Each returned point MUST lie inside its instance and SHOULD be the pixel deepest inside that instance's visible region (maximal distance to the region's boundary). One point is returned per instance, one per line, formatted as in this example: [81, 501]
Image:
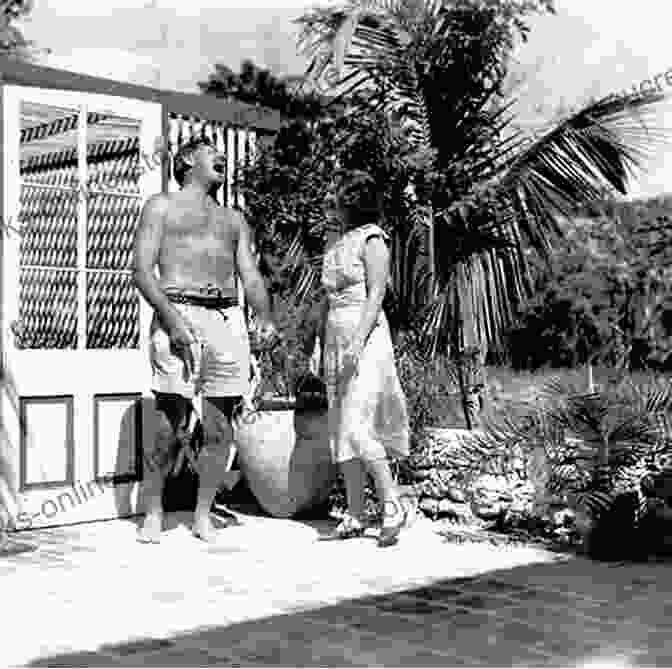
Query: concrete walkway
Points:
[269, 593]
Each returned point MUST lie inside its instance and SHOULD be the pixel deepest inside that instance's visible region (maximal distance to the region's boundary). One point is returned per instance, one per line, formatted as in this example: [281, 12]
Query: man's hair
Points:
[358, 193]
[181, 165]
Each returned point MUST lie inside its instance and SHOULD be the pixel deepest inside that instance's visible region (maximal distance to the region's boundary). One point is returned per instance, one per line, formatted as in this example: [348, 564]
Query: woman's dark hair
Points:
[358, 194]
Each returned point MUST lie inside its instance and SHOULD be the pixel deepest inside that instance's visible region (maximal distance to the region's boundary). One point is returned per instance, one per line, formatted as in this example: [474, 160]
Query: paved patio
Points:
[269, 593]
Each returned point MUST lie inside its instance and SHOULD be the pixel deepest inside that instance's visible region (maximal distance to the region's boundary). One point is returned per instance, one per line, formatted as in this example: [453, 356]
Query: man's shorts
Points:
[221, 354]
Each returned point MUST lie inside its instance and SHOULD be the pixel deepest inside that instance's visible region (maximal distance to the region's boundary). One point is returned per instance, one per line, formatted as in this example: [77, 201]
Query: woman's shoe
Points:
[348, 528]
[389, 533]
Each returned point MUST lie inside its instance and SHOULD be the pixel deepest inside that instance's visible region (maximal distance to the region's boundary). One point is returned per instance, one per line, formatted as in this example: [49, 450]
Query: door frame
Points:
[12, 410]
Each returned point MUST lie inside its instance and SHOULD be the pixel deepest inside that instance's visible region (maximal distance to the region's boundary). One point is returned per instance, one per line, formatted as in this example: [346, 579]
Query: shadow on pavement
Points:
[569, 613]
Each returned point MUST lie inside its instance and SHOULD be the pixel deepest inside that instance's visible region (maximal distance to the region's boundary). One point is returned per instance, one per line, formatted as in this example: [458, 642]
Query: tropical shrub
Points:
[597, 448]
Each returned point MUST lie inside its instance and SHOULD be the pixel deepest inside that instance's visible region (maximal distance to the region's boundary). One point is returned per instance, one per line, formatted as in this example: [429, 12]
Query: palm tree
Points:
[482, 192]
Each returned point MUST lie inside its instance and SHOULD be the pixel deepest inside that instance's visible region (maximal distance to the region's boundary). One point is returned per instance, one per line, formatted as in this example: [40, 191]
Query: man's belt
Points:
[211, 299]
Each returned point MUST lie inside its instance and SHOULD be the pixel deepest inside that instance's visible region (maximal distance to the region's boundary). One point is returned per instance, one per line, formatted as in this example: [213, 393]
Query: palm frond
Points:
[363, 46]
[596, 502]
[599, 147]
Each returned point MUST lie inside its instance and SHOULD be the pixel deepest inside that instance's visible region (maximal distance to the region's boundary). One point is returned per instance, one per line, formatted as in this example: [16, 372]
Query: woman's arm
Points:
[321, 330]
[376, 256]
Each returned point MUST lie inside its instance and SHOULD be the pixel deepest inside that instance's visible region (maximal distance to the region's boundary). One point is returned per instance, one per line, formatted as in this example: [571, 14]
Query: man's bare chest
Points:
[208, 231]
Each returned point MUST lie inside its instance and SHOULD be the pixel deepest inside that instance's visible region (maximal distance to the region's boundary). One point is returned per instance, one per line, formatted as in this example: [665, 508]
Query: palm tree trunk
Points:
[431, 254]
[464, 392]
[459, 358]
[603, 474]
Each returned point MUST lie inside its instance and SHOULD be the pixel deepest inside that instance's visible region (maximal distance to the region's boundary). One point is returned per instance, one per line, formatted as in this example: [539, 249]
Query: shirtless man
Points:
[199, 339]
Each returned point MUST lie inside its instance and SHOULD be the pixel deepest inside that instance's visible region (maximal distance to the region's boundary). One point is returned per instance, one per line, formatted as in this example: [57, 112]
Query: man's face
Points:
[208, 164]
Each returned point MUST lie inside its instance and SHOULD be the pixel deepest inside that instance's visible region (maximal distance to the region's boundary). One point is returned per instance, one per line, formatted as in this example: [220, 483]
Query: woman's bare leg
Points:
[386, 488]
[354, 474]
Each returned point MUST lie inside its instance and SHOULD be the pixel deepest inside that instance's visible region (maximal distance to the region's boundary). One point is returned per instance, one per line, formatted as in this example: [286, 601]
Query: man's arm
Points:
[253, 283]
[146, 254]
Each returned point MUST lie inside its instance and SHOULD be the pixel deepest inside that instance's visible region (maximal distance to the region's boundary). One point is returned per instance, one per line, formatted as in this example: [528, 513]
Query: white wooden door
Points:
[76, 405]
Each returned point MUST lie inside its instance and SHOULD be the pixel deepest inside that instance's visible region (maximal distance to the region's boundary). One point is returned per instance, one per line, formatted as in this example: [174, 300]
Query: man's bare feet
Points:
[150, 532]
[203, 528]
[206, 525]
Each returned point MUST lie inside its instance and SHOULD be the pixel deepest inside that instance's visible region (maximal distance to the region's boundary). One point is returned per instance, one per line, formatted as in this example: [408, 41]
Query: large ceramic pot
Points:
[285, 456]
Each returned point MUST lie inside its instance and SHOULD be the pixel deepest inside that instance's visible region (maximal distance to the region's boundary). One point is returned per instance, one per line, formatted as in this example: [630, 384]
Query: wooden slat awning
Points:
[55, 127]
[100, 151]
[201, 106]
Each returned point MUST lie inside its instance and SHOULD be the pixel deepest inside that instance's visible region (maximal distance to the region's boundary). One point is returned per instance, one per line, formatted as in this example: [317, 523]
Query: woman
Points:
[367, 407]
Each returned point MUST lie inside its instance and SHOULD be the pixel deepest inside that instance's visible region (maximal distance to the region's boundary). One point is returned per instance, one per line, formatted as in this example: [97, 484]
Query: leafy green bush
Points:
[429, 386]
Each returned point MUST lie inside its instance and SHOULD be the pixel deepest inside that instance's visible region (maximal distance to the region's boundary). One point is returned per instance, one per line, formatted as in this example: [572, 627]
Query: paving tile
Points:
[650, 658]
[649, 612]
[293, 650]
[343, 636]
[567, 651]
[139, 646]
[542, 616]
[273, 658]
[573, 641]
[221, 637]
[508, 653]
[463, 641]
[325, 657]
[576, 587]
[383, 629]
[461, 581]
[525, 634]
[547, 597]
[493, 585]
[483, 602]
[465, 619]
[277, 634]
[329, 657]
[437, 593]
[409, 606]
[398, 655]
[390, 598]
[180, 657]
[365, 618]
[657, 640]
[84, 659]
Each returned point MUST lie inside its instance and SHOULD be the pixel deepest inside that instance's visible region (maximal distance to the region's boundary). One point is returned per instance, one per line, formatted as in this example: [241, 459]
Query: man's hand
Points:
[268, 336]
[269, 333]
[351, 357]
[182, 342]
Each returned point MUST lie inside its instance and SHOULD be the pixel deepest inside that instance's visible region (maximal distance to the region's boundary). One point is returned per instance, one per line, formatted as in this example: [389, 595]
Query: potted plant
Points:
[282, 431]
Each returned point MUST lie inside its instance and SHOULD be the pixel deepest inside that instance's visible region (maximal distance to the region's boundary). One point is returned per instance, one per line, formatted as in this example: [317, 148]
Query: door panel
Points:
[75, 407]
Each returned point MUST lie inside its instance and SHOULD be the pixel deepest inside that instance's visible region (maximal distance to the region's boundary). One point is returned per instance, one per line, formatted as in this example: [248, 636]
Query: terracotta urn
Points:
[285, 456]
